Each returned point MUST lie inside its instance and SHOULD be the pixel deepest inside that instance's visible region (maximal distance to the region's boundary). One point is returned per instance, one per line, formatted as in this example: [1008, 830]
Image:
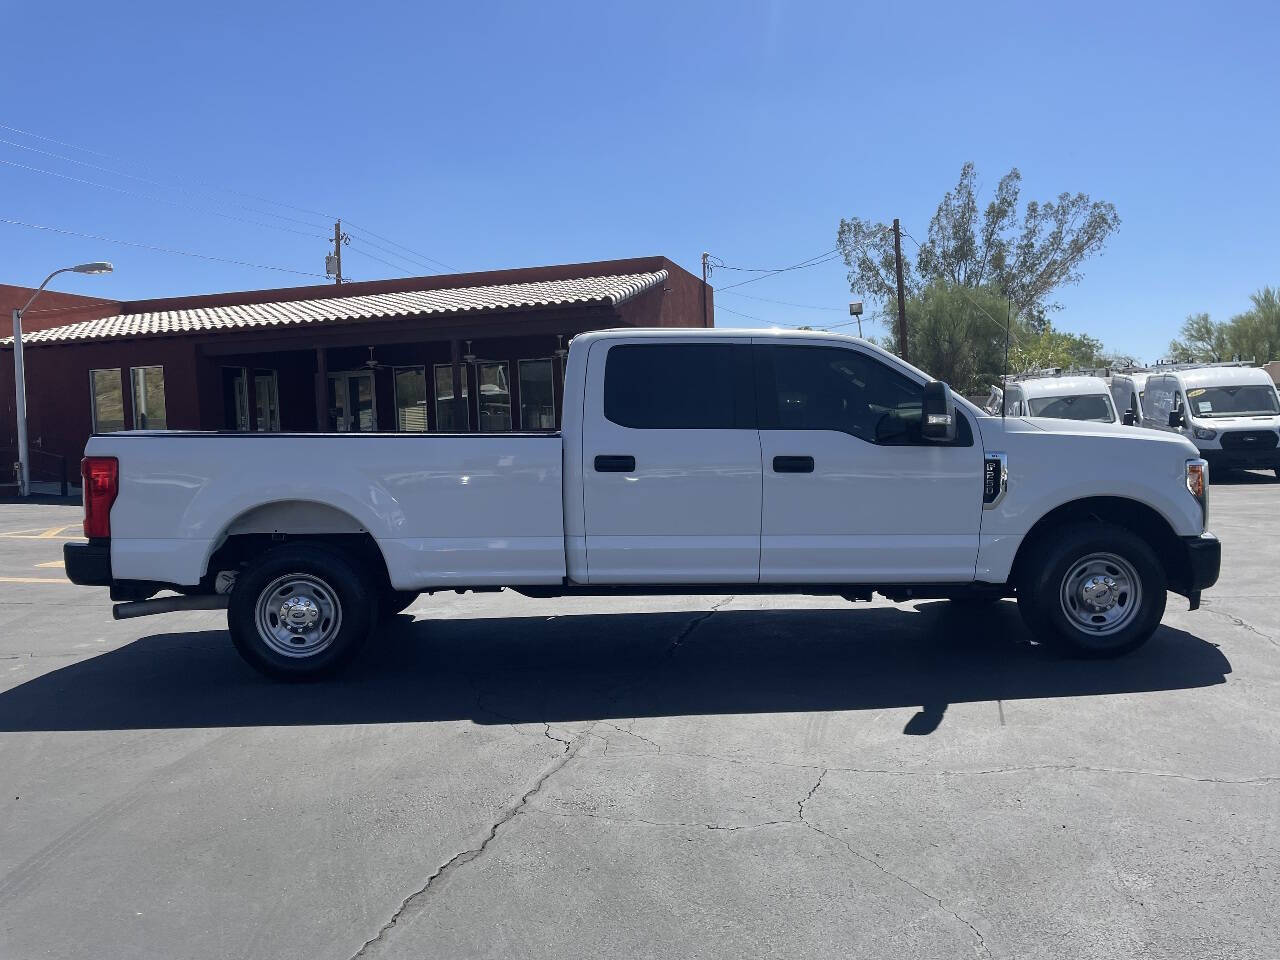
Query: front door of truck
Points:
[671, 463]
[852, 493]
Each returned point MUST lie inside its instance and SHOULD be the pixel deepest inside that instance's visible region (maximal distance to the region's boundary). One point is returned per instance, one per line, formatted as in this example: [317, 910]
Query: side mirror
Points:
[1130, 418]
[938, 413]
[1176, 419]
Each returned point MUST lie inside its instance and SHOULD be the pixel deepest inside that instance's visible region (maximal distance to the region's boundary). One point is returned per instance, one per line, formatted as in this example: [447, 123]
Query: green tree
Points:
[1024, 257]
[1252, 335]
[1199, 340]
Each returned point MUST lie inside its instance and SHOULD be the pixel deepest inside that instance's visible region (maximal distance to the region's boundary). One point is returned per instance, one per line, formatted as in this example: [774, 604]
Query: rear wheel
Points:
[302, 611]
[1092, 590]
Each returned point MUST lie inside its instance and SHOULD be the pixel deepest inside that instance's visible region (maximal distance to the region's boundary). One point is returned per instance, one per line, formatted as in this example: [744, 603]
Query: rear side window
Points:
[679, 386]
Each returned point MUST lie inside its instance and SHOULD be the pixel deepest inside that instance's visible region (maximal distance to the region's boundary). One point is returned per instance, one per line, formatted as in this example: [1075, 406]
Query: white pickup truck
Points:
[699, 461]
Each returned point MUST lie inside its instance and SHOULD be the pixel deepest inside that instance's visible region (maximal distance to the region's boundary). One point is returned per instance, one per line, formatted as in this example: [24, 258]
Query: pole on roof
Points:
[337, 251]
[705, 321]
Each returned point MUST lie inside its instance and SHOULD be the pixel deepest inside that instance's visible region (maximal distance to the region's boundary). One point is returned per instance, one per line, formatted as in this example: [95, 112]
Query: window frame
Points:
[93, 396]
[395, 394]
[767, 396]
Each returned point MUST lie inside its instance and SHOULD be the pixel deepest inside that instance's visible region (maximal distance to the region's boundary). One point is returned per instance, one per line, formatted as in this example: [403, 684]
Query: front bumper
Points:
[1197, 566]
[88, 564]
[1242, 459]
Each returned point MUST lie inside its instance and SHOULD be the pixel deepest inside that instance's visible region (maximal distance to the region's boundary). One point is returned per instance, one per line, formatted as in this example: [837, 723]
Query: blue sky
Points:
[491, 135]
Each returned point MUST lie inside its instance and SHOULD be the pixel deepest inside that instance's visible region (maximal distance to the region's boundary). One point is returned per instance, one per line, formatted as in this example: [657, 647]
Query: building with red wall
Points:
[381, 355]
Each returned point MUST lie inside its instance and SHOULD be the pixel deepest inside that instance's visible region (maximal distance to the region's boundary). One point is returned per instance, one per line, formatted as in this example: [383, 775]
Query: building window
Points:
[107, 396]
[445, 421]
[495, 397]
[537, 395]
[148, 398]
[411, 399]
[266, 394]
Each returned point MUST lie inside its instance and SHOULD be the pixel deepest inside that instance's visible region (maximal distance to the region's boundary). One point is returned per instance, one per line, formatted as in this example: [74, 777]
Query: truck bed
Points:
[443, 508]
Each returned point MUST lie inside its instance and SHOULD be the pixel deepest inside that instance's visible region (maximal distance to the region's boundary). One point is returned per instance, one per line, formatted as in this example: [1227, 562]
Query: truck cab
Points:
[1229, 411]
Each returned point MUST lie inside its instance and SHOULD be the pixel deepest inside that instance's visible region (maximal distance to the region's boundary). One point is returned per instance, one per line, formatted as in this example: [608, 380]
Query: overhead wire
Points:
[154, 199]
[159, 249]
[425, 259]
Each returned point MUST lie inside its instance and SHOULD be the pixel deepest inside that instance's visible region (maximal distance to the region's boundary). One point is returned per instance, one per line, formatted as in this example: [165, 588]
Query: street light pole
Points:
[20, 376]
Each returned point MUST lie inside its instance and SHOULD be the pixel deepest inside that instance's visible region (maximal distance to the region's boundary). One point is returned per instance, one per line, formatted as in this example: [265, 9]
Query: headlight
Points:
[1198, 485]
[1202, 434]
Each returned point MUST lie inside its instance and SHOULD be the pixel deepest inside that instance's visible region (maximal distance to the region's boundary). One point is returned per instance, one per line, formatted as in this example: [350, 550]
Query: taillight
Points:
[101, 477]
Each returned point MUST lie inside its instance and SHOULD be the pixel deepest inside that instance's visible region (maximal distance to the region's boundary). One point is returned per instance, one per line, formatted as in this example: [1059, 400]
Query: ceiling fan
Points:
[372, 363]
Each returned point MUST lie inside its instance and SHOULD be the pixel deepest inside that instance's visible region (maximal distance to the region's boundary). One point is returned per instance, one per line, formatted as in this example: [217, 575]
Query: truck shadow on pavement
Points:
[596, 666]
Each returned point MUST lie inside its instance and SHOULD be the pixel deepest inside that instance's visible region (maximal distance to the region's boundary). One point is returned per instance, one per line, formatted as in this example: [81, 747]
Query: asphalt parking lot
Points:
[661, 777]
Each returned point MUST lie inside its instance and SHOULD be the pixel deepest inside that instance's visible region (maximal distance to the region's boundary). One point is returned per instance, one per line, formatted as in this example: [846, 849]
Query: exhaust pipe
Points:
[146, 608]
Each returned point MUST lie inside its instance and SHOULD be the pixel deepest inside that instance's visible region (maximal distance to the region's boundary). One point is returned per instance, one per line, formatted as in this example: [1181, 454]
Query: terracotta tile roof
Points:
[604, 290]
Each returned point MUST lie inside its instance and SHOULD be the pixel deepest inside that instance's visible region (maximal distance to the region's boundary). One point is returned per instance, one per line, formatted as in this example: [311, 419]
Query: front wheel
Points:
[302, 611]
[1092, 590]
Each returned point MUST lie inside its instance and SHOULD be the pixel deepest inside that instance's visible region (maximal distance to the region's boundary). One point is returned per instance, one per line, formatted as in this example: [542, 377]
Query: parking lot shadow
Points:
[586, 667]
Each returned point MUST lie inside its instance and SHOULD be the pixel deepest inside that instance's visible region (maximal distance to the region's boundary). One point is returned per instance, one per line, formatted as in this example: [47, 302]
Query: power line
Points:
[149, 246]
[764, 275]
[154, 183]
[420, 256]
[210, 186]
[783, 303]
[144, 196]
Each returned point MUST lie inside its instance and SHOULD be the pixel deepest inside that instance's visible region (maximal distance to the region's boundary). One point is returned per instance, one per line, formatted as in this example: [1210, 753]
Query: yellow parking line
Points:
[34, 580]
[42, 536]
[54, 531]
[52, 563]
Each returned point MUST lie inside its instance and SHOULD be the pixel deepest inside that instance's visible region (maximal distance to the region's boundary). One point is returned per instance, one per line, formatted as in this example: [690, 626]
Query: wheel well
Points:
[1133, 515]
[268, 525]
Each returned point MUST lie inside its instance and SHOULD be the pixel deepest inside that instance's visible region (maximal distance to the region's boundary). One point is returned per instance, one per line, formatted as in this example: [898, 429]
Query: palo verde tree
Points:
[1252, 335]
[1023, 255]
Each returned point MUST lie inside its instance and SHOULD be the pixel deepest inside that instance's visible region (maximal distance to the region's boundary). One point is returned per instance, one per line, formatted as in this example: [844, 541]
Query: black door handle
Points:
[793, 464]
[615, 464]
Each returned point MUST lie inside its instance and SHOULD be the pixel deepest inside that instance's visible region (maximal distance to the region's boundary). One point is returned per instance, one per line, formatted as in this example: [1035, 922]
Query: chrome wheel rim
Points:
[298, 615]
[1101, 594]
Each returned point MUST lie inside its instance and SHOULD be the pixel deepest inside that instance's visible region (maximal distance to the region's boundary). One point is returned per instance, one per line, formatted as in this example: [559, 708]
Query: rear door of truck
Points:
[671, 462]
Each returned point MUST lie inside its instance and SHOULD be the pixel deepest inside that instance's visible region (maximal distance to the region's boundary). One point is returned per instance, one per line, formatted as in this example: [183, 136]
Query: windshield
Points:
[1238, 401]
[1084, 406]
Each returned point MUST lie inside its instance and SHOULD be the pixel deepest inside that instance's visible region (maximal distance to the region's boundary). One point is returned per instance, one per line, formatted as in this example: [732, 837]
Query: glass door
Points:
[351, 402]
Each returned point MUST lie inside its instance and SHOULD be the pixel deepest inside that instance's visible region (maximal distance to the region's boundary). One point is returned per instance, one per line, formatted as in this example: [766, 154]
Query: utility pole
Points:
[705, 257]
[333, 262]
[902, 302]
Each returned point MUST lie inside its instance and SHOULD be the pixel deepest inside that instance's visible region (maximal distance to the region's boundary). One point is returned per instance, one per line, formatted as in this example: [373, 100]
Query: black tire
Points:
[1055, 592]
[334, 605]
[392, 602]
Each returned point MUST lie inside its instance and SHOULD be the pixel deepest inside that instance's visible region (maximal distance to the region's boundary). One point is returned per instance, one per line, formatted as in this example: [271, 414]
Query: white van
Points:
[1127, 391]
[1058, 397]
[1230, 412]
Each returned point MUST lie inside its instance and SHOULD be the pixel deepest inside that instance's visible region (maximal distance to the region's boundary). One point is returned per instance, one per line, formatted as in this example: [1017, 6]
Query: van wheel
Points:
[1092, 590]
[301, 612]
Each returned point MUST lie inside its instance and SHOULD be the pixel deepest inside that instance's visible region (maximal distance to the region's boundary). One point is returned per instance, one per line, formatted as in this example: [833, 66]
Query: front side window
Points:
[494, 399]
[537, 395]
[411, 399]
[446, 422]
[834, 388]
[107, 397]
[678, 386]
[1244, 400]
[1085, 406]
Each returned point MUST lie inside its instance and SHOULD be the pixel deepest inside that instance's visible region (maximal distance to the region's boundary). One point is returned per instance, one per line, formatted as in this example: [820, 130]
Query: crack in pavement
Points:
[513, 808]
[980, 946]
[989, 771]
[1205, 606]
[507, 813]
